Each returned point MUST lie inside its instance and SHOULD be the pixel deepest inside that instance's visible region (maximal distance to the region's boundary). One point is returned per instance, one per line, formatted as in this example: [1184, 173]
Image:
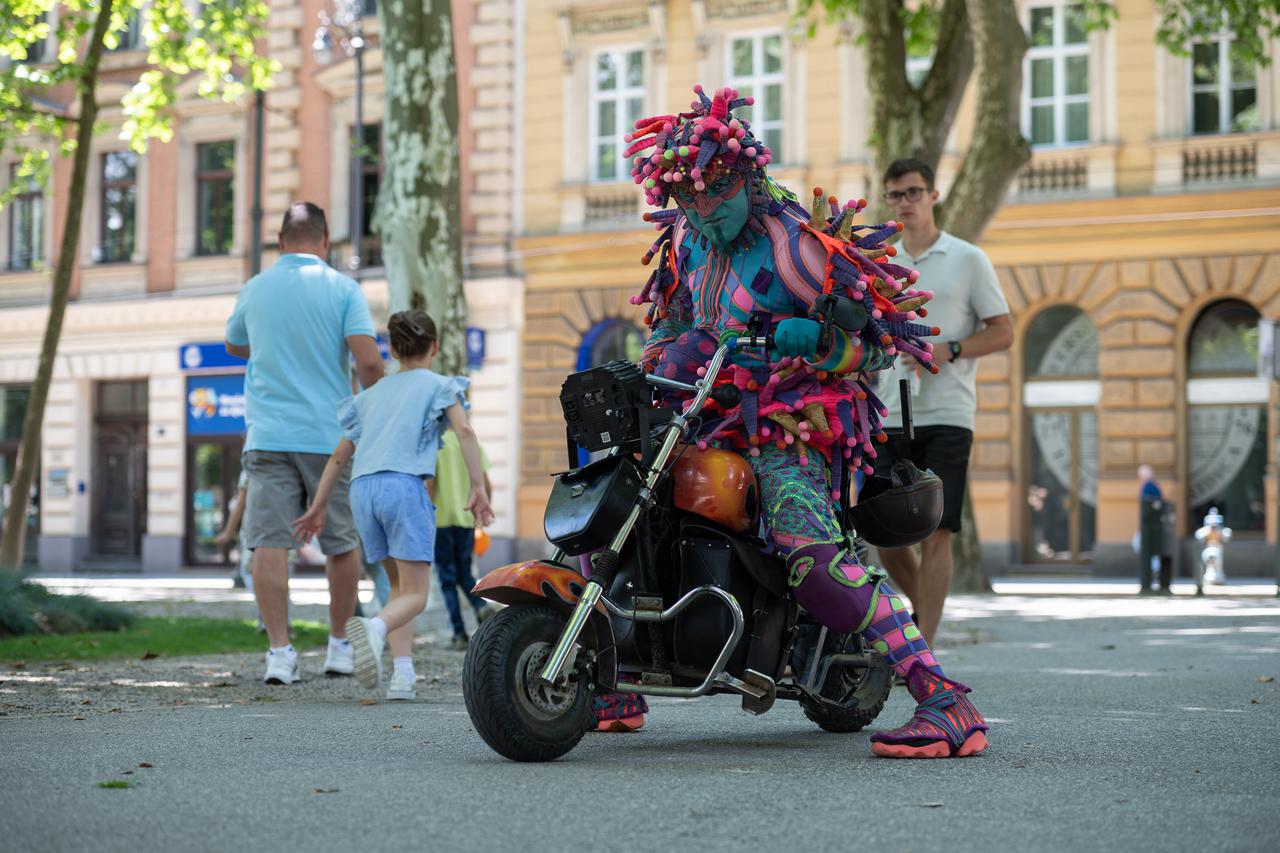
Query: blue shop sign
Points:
[211, 355]
[215, 404]
[475, 348]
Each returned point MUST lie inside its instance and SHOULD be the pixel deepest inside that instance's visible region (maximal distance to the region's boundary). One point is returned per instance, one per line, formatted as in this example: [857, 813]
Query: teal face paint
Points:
[719, 212]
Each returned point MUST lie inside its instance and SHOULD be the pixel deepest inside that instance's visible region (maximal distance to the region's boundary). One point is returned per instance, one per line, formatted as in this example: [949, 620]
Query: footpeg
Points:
[759, 692]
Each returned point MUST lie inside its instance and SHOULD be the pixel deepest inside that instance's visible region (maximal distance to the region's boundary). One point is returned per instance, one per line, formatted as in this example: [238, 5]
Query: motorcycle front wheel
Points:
[520, 717]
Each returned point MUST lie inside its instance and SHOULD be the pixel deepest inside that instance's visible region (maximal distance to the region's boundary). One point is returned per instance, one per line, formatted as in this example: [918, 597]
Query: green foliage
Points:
[1252, 22]
[29, 608]
[1181, 22]
[171, 636]
[116, 783]
[213, 39]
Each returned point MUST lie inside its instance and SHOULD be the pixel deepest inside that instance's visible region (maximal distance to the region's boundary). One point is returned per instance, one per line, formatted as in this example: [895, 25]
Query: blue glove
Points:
[796, 336]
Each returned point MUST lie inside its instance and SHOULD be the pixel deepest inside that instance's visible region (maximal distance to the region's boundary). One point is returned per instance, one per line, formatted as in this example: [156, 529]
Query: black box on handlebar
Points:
[602, 405]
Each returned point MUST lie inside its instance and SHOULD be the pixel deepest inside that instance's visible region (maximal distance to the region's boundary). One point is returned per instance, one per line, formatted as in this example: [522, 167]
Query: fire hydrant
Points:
[1214, 534]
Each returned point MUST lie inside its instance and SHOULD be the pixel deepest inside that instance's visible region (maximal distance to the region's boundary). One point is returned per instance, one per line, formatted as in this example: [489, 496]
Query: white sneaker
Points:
[367, 652]
[282, 668]
[402, 687]
[340, 660]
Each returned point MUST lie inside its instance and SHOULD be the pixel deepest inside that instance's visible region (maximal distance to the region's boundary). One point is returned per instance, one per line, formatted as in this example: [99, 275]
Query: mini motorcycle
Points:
[682, 597]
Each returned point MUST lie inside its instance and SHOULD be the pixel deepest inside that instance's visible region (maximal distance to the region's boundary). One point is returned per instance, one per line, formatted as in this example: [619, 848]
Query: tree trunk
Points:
[419, 216]
[966, 551]
[982, 36]
[997, 150]
[13, 538]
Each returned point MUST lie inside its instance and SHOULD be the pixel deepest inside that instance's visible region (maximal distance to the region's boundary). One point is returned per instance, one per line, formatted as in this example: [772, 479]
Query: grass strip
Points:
[167, 636]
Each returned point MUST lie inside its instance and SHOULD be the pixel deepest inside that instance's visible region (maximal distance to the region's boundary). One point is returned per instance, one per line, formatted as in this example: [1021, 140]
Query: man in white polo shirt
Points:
[974, 318]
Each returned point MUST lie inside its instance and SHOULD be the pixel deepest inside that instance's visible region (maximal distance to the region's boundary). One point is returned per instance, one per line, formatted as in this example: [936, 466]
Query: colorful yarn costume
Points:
[739, 245]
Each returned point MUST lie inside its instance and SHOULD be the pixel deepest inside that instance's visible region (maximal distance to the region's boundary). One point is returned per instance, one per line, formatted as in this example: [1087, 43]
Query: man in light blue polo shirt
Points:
[298, 324]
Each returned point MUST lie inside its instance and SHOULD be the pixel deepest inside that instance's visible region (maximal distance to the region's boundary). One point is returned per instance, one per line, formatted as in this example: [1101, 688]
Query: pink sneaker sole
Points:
[974, 744]
[626, 724]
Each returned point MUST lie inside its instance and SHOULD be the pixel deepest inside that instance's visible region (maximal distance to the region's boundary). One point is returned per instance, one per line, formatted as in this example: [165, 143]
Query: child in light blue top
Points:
[394, 430]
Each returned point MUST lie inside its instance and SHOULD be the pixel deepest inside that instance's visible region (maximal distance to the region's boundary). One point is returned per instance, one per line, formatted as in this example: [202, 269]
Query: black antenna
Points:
[904, 394]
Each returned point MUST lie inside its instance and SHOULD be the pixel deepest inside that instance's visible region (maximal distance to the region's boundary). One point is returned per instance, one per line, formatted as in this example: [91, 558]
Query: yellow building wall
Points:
[1140, 252]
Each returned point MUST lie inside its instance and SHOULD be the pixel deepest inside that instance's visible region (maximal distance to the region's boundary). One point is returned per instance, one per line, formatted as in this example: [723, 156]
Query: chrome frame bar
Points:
[551, 673]
[717, 668]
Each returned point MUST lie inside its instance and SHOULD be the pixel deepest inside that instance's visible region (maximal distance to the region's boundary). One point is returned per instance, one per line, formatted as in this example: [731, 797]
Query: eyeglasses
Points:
[910, 194]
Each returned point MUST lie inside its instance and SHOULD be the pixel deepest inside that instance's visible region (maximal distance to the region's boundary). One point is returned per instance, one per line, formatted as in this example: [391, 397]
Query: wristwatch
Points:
[954, 346]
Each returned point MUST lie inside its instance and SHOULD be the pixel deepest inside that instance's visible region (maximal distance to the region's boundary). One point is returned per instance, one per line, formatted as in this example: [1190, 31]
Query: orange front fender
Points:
[519, 582]
[540, 582]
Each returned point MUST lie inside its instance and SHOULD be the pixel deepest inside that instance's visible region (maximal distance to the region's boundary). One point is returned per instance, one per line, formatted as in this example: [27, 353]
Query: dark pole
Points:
[255, 215]
[357, 158]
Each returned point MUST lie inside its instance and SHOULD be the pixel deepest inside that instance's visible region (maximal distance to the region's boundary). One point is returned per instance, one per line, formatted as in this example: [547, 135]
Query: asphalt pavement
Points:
[1118, 723]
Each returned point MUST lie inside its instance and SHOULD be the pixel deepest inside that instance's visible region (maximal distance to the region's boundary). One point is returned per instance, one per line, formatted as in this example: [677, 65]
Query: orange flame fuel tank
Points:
[718, 485]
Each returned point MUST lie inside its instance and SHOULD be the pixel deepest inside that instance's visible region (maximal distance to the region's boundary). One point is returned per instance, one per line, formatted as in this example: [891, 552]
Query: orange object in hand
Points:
[482, 542]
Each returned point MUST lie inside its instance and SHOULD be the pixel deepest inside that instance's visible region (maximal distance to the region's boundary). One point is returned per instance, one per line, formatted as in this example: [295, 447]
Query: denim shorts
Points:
[395, 517]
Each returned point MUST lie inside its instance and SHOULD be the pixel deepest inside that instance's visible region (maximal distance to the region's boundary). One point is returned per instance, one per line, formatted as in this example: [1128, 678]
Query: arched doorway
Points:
[1227, 418]
[611, 339]
[1060, 394]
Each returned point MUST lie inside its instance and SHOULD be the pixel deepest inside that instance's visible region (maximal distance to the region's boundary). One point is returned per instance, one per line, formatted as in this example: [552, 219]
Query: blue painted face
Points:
[720, 211]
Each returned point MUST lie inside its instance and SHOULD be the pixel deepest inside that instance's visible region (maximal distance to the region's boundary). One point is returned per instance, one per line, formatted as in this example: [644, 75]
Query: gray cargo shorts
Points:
[281, 486]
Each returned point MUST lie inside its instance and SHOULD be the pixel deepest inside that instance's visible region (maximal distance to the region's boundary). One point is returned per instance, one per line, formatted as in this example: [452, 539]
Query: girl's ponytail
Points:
[412, 333]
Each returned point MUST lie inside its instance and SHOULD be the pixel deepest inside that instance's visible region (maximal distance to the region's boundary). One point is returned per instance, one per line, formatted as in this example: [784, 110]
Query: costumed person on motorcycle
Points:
[738, 249]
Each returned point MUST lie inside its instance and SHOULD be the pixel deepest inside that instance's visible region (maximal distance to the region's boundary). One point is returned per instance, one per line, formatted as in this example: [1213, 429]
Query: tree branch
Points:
[997, 150]
[943, 88]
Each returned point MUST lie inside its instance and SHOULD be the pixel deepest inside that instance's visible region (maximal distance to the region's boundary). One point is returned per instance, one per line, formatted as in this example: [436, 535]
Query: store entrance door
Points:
[120, 468]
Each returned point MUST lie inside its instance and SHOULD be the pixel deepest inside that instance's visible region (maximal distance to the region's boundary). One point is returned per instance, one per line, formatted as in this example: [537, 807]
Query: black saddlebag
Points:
[707, 557]
[588, 505]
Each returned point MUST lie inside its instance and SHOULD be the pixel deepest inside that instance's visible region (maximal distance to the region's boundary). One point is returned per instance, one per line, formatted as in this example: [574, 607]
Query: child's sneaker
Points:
[282, 667]
[367, 651]
[402, 687]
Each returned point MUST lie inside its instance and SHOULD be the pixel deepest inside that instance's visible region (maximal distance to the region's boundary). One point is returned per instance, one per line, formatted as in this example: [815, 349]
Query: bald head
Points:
[305, 230]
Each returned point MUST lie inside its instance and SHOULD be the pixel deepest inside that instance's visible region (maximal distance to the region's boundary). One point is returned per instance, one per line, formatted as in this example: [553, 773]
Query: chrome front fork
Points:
[591, 595]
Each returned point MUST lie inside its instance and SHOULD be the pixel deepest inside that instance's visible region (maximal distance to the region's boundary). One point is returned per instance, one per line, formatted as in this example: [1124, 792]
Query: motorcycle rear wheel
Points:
[860, 693]
[518, 716]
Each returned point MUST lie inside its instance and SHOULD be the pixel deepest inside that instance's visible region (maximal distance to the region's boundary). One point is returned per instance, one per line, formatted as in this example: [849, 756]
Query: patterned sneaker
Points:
[619, 712]
[367, 652]
[944, 725]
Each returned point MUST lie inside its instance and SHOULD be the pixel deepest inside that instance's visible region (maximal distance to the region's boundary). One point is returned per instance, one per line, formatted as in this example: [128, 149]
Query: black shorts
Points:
[944, 450]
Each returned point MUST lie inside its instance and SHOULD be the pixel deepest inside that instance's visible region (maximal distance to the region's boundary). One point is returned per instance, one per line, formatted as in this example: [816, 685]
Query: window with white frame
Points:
[617, 101]
[1055, 100]
[26, 224]
[756, 69]
[1224, 90]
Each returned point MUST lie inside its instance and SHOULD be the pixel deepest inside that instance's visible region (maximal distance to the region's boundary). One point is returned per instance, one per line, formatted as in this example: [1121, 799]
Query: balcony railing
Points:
[1053, 177]
[612, 210]
[1225, 162]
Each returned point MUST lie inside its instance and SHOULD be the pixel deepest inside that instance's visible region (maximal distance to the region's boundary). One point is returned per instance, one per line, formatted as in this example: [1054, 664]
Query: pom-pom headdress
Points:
[695, 147]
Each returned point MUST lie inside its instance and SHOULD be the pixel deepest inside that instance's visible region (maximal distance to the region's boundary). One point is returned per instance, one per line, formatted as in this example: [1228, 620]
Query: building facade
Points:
[144, 425]
[1138, 250]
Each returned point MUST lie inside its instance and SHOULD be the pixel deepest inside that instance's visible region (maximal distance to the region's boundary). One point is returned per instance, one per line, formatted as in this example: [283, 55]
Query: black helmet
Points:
[899, 510]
